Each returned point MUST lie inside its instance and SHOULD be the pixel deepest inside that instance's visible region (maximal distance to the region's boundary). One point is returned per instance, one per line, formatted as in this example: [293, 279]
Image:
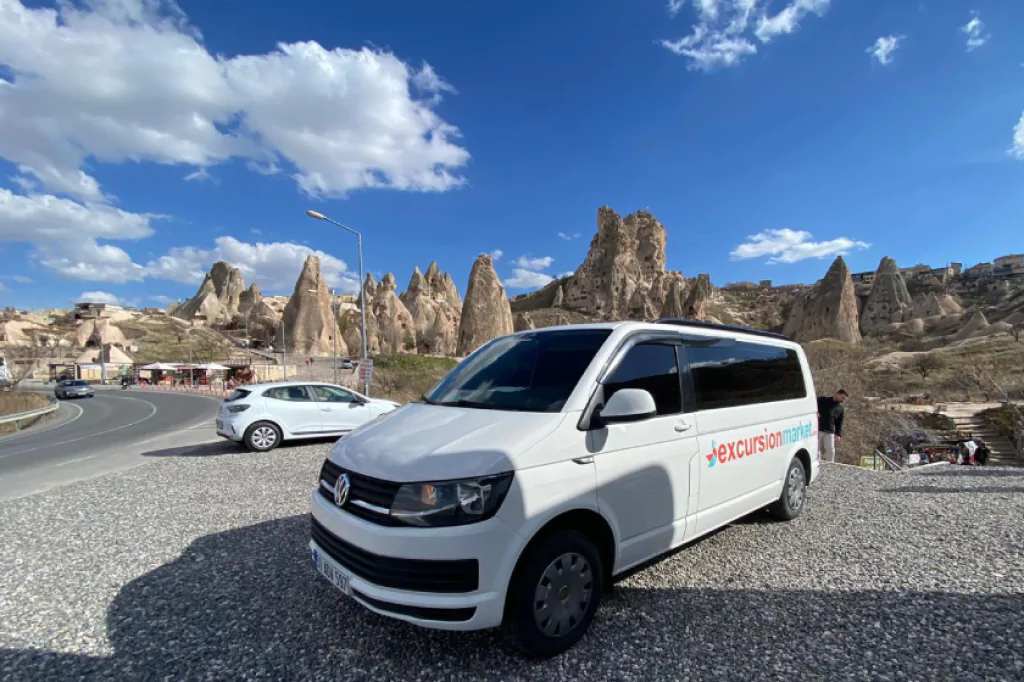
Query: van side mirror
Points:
[625, 405]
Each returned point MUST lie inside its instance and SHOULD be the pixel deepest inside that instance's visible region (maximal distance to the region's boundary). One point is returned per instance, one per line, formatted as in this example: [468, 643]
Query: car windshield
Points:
[75, 383]
[534, 372]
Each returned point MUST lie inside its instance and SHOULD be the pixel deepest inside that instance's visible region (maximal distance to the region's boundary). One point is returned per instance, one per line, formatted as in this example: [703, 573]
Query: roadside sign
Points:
[365, 371]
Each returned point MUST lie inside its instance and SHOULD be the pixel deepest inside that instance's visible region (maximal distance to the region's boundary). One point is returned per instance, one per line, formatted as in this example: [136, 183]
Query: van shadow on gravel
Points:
[247, 603]
[227, 447]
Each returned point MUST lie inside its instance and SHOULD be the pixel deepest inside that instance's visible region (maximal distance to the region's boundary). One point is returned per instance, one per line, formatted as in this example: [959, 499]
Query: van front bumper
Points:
[444, 578]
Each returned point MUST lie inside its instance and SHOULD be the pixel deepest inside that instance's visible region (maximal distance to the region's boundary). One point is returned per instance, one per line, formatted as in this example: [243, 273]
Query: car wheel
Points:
[262, 436]
[794, 493]
[554, 594]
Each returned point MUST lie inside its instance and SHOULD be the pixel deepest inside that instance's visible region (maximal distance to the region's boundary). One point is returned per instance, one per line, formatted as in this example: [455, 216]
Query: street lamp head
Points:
[313, 214]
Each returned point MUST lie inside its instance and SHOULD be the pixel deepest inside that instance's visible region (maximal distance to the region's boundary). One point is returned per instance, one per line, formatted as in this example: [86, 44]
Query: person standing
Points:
[830, 424]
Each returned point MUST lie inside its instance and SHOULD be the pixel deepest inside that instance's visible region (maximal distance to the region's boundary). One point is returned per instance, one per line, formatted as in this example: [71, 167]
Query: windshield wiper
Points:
[428, 401]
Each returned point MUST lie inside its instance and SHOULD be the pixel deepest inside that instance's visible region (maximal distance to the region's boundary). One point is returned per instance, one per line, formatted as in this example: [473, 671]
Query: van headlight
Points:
[451, 503]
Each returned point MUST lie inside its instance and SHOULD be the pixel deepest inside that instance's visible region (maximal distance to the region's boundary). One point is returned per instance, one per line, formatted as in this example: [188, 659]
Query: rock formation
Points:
[624, 273]
[889, 300]
[98, 333]
[697, 303]
[674, 302]
[933, 305]
[218, 296]
[559, 298]
[396, 330]
[436, 309]
[522, 322]
[308, 318]
[828, 310]
[250, 298]
[486, 312]
[975, 326]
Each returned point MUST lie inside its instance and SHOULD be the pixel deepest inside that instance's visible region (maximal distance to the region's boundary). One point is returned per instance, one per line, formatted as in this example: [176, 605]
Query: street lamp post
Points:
[362, 287]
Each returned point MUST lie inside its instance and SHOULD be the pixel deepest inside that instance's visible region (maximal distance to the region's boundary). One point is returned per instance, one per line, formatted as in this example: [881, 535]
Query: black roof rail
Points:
[743, 329]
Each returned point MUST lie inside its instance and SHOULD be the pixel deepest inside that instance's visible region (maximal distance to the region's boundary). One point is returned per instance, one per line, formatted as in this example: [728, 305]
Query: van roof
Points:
[692, 324]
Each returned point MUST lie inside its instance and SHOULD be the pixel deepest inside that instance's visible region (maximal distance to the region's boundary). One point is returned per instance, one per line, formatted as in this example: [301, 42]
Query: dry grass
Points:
[168, 341]
[404, 378]
[20, 401]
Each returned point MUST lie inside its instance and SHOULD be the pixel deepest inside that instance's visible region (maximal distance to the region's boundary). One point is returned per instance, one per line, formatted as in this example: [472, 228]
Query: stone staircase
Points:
[964, 415]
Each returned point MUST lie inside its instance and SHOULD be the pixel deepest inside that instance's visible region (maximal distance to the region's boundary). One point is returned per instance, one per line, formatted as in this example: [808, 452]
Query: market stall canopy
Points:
[212, 366]
[161, 366]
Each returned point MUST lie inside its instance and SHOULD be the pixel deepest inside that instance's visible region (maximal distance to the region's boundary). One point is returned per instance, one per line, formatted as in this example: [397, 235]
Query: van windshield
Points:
[534, 372]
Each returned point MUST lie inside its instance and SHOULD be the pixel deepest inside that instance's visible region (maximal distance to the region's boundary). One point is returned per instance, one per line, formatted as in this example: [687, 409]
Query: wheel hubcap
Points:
[264, 437]
[563, 595]
[797, 488]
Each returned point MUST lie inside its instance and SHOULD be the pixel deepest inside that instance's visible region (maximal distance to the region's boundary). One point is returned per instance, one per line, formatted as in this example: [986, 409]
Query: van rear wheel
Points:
[794, 493]
[554, 594]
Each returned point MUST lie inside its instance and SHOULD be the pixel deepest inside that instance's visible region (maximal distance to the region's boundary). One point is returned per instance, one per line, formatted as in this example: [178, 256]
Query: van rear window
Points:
[743, 373]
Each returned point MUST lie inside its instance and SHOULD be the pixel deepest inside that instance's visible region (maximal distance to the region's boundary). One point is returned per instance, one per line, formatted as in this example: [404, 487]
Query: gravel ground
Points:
[197, 568]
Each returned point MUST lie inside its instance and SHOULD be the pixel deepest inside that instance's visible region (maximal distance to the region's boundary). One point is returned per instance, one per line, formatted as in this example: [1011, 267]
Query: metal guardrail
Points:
[19, 417]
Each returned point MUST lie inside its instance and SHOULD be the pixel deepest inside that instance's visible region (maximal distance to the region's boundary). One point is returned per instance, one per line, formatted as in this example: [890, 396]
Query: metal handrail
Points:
[19, 417]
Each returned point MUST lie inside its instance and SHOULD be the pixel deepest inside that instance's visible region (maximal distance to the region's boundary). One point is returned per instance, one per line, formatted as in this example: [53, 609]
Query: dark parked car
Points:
[75, 388]
[346, 363]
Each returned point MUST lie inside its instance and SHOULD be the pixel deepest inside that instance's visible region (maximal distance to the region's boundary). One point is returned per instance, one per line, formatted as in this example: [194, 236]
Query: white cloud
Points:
[256, 231]
[1017, 150]
[496, 254]
[534, 263]
[99, 297]
[274, 266]
[725, 29]
[567, 274]
[526, 279]
[67, 235]
[4, 288]
[20, 279]
[674, 6]
[884, 47]
[110, 81]
[163, 300]
[569, 237]
[792, 246]
[975, 31]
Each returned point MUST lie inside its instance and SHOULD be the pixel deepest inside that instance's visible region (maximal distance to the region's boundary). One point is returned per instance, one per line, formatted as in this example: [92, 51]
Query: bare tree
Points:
[22, 361]
[1016, 331]
[926, 363]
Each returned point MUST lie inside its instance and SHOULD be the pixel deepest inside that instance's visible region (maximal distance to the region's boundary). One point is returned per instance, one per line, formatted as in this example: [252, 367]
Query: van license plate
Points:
[337, 578]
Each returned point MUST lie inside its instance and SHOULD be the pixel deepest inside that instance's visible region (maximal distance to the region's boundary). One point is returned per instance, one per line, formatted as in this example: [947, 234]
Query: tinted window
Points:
[652, 367]
[534, 372]
[295, 394]
[743, 373]
[329, 394]
[237, 394]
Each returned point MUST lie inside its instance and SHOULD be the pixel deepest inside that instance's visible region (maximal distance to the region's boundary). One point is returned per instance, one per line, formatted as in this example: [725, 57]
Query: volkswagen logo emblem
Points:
[341, 488]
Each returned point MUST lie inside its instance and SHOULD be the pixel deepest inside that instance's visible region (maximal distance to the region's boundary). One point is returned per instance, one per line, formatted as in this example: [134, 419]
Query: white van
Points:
[553, 460]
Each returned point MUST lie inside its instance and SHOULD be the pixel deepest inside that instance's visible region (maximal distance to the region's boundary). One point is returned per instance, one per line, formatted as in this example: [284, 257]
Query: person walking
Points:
[830, 424]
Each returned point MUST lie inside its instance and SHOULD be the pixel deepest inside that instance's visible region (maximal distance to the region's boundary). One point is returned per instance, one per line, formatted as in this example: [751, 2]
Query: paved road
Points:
[91, 436]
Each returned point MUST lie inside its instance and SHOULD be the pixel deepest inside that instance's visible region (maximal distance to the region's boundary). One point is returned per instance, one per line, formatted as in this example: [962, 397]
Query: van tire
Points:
[262, 437]
[580, 561]
[794, 493]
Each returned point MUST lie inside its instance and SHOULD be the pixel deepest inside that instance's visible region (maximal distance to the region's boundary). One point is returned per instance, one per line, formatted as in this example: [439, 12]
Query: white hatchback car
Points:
[262, 415]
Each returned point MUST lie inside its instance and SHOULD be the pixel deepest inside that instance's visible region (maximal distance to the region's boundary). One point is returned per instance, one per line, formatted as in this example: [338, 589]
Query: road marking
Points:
[72, 461]
[91, 435]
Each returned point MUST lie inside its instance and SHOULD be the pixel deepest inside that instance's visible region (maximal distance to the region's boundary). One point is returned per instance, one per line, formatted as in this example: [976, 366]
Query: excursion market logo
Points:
[749, 446]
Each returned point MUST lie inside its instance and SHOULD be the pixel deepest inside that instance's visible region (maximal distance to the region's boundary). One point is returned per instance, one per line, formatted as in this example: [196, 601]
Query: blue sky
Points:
[141, 140]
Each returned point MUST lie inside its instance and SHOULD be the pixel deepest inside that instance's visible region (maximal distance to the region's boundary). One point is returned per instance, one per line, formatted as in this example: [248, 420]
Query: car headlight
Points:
[451, 503]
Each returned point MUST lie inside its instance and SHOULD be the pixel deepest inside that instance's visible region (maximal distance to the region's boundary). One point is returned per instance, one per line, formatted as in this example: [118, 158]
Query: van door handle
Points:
[584, 460]
[682, 427]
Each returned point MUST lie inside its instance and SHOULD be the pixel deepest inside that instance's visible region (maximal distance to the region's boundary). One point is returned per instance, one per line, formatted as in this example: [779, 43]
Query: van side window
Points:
[743, 373]
[652, 367]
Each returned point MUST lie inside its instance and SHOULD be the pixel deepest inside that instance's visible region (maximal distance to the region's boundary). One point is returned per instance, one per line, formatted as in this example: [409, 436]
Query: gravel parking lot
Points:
[196, 567]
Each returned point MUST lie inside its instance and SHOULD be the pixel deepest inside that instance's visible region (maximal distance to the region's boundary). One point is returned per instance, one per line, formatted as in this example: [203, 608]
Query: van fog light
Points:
[451, 503]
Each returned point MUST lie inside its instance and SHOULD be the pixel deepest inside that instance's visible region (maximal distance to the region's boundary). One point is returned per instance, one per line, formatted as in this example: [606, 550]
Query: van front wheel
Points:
[554, 594]
[794, 493]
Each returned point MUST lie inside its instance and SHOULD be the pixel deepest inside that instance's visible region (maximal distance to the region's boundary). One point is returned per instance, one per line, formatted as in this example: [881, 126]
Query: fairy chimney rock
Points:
[486, 313]
[889, 300]
[828, 310]
[218, 296]
[308, 319]
[396, 330]
[435, 315]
